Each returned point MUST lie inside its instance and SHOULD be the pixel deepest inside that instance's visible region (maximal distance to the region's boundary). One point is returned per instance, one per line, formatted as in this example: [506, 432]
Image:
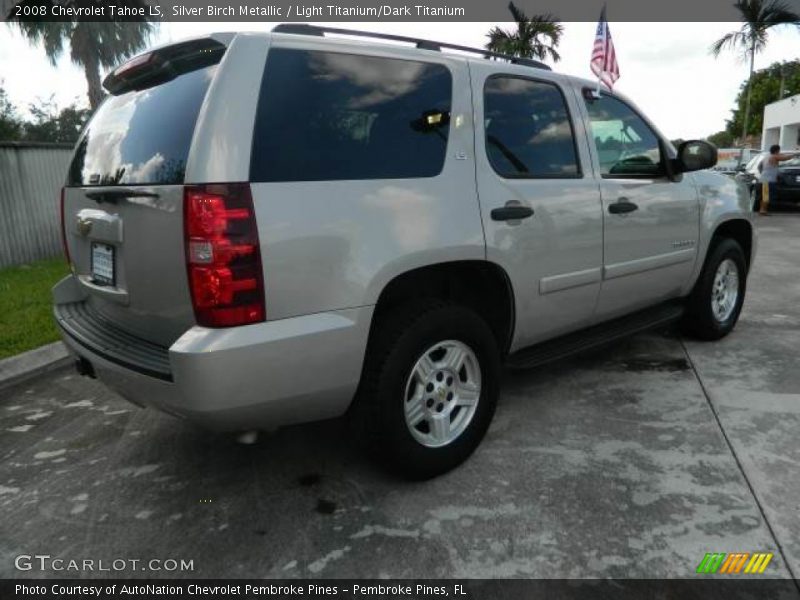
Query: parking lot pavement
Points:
[753, 381]
[624, 463]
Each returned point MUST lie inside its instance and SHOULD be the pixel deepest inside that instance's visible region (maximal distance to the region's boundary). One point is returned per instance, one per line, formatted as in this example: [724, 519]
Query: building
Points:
[782, 124]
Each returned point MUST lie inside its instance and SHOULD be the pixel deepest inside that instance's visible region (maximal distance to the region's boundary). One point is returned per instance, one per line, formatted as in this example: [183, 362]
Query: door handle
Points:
[622, 206]
[511, 212]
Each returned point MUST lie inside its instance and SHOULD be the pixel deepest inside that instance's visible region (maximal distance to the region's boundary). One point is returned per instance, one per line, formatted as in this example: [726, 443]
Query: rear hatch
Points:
[123, 203]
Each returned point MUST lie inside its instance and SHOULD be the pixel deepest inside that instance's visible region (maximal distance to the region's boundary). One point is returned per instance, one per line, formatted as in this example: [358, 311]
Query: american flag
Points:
[604, 58]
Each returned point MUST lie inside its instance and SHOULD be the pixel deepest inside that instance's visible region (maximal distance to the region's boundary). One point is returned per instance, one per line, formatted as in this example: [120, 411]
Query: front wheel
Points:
[430, 388]
[716, 301]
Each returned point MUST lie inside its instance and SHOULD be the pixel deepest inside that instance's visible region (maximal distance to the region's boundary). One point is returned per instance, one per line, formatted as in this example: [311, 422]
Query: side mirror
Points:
[696, 155]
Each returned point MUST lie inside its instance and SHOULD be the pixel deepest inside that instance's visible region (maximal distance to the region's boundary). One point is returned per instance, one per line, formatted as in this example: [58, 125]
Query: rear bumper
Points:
[258, 376]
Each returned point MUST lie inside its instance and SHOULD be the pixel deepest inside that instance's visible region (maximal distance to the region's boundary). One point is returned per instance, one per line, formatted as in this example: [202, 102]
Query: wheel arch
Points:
[481, 285]
[739, 230]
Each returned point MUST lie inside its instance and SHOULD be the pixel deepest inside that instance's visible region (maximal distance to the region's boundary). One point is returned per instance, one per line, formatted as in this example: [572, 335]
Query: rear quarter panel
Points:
[335, 244]
[223, 134]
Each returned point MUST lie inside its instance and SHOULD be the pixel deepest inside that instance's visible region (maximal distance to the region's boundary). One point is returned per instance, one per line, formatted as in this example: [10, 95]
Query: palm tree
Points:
[758, 17]
[93, 45]
[535, 37]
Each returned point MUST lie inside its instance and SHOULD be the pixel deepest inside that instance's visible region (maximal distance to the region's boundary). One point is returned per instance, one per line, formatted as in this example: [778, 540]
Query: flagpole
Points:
[603, 17]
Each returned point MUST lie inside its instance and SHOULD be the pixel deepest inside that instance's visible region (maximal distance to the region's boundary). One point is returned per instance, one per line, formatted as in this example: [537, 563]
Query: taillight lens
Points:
[64, 228]
[223, 255]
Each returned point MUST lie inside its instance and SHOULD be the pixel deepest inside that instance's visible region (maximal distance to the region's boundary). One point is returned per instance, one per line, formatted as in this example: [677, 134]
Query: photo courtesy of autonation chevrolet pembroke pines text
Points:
[409, 299]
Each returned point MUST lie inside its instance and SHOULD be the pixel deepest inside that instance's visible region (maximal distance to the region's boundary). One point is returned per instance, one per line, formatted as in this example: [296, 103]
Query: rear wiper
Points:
[115, 194]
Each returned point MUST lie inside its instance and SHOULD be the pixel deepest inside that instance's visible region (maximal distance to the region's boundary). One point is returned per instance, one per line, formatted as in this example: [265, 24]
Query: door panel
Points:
[526, 154]
[649, 253]
[651, 224]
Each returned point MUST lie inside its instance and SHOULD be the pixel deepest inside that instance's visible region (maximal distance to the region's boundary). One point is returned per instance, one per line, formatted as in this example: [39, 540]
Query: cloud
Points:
[666, 68]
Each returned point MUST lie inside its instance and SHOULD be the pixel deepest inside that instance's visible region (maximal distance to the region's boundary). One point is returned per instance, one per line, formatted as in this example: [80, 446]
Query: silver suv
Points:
[274, 228]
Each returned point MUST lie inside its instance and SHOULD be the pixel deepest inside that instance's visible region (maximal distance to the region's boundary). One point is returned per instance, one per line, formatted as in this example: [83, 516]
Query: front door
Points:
[539, 200]
[651, 223]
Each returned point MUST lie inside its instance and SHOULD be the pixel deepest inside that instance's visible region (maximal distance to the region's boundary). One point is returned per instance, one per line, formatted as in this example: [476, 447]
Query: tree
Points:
[758, 17]
[765, 87]
[535, 37]
[10, 123]
[93, 45]
[721, 139]
[50, 124]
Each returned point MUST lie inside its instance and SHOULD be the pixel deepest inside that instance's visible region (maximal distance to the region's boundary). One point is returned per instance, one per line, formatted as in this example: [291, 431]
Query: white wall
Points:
[782, 124]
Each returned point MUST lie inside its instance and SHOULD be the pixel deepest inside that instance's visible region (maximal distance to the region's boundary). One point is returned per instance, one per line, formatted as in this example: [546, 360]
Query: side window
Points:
[626, 146]
[528, 130]
[326, 116]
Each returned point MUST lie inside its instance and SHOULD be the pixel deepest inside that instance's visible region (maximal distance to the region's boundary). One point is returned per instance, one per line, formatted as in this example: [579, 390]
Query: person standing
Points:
[769, 175]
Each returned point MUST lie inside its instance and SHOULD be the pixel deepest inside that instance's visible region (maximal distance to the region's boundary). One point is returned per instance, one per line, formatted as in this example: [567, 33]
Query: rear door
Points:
[123, 203]
[650, 223]
[530, 159]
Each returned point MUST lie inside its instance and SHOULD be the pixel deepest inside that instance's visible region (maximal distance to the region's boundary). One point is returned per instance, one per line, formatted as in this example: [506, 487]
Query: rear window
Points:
[330, 116]
[142, 137]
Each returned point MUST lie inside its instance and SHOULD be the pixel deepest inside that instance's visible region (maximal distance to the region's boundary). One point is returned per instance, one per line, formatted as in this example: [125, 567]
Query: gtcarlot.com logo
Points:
[45, 562]
[734, 563]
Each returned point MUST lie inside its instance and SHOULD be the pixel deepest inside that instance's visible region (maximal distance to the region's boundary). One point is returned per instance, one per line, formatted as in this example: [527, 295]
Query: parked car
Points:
[788, 184]
[274, 228]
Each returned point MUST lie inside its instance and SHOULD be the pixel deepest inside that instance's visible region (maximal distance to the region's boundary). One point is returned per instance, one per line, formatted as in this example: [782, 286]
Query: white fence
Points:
[31, 176]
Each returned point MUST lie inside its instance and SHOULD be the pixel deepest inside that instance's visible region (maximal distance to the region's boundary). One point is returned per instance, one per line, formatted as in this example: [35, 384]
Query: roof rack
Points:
[303, 29]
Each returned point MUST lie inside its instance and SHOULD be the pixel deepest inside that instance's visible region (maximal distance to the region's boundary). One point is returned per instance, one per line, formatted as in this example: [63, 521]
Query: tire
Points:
[708, 317]
[394, 392]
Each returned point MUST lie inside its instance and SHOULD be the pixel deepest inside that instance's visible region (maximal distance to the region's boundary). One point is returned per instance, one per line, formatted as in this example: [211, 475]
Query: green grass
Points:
[26, 319]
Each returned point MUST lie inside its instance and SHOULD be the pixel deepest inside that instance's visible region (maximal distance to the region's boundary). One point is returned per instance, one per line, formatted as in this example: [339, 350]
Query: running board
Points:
[595, 336]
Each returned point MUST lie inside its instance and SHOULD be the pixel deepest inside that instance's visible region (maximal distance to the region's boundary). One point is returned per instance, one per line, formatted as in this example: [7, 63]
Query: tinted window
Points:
[626, 146]
[327, 116]
[142, 137]
[528, 129]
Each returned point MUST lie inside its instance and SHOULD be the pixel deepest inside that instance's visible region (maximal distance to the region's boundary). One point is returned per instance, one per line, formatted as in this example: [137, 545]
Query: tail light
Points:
[64, 229]
[223, 255]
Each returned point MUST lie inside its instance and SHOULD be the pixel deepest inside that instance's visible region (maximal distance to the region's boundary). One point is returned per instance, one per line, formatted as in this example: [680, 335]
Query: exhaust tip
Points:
[84, 368]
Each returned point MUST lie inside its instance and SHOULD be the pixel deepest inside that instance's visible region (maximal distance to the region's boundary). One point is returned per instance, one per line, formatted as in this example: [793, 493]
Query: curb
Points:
[27, 365]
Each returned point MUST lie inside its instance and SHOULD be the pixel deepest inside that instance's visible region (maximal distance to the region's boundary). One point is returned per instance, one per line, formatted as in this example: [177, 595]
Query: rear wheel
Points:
[716, 301]
[430, 388]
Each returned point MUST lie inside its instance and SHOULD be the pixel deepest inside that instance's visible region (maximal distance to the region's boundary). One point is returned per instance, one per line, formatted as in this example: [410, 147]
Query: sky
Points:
[666, 68]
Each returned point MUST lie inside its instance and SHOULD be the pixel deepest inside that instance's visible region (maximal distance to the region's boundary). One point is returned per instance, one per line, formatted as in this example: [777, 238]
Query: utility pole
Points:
[749, 88]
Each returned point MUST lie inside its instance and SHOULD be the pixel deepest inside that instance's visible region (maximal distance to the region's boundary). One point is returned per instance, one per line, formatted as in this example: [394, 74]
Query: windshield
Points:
[795, 162]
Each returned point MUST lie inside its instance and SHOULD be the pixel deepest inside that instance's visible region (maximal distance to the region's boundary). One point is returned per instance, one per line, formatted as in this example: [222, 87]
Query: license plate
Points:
[102, 264]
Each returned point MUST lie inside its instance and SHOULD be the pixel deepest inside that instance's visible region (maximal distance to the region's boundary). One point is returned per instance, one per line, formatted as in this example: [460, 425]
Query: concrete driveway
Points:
[631, 462]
